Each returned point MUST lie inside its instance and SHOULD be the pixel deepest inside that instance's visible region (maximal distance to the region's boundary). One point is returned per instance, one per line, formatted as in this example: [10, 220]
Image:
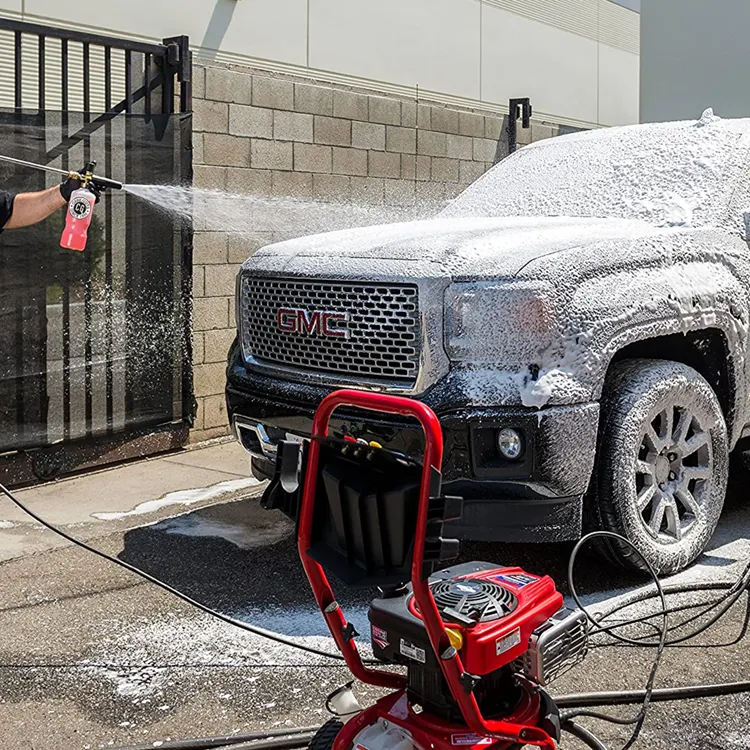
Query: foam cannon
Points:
[82, 201]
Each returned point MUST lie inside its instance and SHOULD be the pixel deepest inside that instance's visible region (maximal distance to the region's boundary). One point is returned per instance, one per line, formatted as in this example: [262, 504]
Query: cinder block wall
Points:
[272, 135]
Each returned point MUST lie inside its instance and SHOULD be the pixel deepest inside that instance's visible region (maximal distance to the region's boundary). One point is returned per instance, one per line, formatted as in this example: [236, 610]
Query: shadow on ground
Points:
[238, 558]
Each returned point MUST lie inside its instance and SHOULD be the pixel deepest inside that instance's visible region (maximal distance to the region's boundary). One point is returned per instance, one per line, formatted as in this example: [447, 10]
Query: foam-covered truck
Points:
[577, 318]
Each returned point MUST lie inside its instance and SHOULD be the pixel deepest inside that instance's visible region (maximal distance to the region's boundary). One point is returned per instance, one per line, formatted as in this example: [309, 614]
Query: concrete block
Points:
[451, 190]
[292, 126]
[459, 147]
[430, 195]
[468, 171]
[197, 148]
[221, 280]
[209, 248]
[274, 93]
[241, 247]
[540, 131]
[196, 344]
[444, 170]
[470, 123]
[368, 135]
[217, 343]
[210, 379]
[400, 193]
[249, 181]
[385, 110]
[384, 164]
[350, 106]
[494, 127]
[199, 82]
[271, 155]
[409, 114]
[401, 140]
[215, 412]
[523, 136]
[210, 177]
[210, 313]
[333, 131]
[199, 280]
[424, 168]
[349, 161]
[292, 184]
[484, 149]
[424, 117]
[312, 158]
[315, 100]
[252, 122]
[197, 429]
[444, 120]
[368, 190]
[226, 85]
[333, 187]
[210, 117]
[226, 150]
[430, 143]
[408, 167]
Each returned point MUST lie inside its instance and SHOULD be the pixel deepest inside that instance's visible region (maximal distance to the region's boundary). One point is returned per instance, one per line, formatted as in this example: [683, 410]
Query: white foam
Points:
[182, 498]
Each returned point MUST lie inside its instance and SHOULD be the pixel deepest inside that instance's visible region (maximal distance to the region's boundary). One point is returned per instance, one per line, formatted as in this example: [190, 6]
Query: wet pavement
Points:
[93, 657]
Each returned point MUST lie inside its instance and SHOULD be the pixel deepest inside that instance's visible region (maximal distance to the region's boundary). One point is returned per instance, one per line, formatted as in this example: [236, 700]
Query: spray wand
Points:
[82, 201]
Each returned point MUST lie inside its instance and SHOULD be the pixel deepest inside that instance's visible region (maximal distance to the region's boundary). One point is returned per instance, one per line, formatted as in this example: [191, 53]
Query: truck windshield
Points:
[679, 174]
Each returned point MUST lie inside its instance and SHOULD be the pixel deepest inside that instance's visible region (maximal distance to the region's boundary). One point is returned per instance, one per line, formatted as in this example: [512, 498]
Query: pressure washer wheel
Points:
[662, 464]
[326, 735]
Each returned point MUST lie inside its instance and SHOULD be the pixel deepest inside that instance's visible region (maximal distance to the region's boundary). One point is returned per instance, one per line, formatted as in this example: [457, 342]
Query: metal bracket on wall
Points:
[517, 108]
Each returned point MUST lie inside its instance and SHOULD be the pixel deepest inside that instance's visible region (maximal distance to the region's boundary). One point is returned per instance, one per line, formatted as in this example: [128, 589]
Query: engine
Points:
[510, 628]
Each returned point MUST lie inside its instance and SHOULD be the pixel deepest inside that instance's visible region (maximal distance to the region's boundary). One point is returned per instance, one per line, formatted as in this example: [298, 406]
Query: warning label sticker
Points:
[508, 642]
[470, 739]
[412, 651]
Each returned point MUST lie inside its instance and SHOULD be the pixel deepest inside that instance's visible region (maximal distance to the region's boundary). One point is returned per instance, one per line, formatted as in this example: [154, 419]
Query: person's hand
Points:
[73, 183]
[68, 186]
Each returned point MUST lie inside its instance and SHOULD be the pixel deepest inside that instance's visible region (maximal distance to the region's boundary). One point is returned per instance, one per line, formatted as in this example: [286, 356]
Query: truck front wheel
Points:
[662, 464]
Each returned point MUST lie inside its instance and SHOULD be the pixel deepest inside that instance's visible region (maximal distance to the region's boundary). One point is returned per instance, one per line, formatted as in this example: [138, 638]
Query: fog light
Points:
[510, 443]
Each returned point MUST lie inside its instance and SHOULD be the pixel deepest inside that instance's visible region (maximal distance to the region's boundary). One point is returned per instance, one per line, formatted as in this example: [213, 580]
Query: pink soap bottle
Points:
[77, 219]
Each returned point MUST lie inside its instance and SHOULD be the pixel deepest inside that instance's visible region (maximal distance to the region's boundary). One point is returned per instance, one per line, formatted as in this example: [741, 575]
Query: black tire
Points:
[643, 454]
[325, 736]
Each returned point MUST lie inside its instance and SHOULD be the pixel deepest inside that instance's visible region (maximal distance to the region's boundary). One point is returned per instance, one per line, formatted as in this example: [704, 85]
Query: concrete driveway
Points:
[93, 657]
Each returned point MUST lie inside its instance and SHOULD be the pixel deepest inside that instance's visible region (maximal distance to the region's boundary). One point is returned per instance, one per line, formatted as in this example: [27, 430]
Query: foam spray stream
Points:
[249, 215]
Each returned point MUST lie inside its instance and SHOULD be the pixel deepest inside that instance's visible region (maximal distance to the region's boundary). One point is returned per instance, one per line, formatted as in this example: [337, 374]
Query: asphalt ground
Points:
[92, 657]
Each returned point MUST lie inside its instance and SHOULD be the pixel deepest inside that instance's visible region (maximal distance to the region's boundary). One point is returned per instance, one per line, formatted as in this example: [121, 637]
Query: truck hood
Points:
[456, 247]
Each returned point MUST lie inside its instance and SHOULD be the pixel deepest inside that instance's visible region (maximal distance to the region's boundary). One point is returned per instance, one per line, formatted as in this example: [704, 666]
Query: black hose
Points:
[588, 738]
[661, 695]
[635, 721]
[260, 740]
[255, 630]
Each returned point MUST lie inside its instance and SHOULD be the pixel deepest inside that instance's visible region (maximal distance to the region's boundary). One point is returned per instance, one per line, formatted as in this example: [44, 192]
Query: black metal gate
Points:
[95, 348]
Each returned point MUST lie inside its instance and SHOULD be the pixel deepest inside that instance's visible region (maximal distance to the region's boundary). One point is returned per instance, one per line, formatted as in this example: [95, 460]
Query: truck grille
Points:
[375, 335]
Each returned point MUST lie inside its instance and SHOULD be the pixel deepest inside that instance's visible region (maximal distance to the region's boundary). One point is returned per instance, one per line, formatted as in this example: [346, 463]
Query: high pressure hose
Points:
[271, 740]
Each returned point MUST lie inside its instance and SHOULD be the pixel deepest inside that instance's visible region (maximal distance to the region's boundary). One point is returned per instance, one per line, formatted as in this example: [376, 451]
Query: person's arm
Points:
[30, 208]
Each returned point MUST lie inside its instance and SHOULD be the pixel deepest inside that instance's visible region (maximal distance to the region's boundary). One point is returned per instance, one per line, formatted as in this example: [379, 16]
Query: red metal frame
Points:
[452, 666]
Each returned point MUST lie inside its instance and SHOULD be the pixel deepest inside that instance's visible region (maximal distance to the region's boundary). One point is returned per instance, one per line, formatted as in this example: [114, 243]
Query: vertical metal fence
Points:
[98, 344]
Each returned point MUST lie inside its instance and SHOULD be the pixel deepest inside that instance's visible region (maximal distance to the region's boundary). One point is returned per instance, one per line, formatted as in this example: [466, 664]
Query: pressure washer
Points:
[82, 201]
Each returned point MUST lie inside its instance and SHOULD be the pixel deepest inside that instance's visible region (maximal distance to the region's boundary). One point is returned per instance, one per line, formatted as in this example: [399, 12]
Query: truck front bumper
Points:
[538, 497]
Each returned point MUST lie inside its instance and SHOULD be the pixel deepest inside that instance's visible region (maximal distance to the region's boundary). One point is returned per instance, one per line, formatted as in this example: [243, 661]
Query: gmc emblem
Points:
[316, 323]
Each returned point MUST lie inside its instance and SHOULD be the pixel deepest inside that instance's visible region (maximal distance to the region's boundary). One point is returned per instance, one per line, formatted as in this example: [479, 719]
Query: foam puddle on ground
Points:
[183, 498]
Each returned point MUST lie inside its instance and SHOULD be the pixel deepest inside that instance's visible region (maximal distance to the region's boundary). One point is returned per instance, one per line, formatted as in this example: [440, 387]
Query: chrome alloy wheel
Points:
[673, 473]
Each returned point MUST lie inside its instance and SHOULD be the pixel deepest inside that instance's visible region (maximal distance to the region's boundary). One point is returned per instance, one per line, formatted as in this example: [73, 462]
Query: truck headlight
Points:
[508, 324]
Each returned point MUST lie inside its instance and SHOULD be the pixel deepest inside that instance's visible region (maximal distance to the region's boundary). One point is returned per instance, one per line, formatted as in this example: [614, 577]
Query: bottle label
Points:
[79, 207]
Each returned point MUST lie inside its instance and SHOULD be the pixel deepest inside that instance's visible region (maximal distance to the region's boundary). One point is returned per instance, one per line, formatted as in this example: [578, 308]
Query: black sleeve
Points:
[6, 207]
